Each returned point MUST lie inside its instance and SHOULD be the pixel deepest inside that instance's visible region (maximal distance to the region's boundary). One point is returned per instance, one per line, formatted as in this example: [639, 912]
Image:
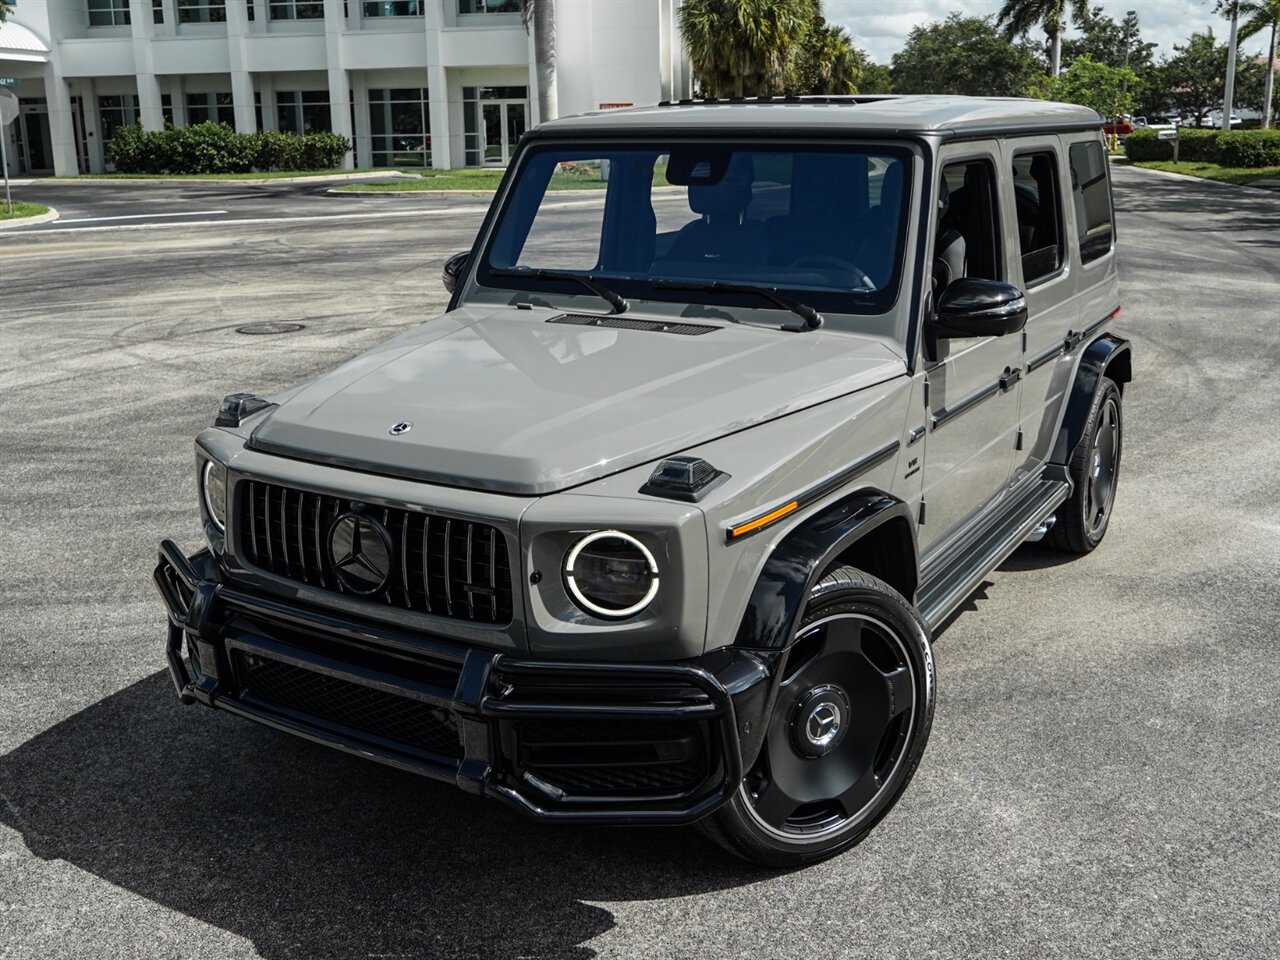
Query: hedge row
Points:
[1238, 148]
[216, 148]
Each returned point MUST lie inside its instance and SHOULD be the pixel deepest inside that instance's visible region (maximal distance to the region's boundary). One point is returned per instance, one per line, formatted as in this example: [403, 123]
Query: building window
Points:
[393, 8]
[488, 6]
[302, 111]
[166, 109]
[157, 11]
[215, 107]
[1092, 193]
[400, 125]
[1035, 194]
[202, 11]
[114, 113]
[295, 10]
[109, 13]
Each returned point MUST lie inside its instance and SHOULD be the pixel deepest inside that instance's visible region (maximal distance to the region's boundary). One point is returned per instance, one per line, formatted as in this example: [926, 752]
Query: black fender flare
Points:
[1106, 353]
[781, 591]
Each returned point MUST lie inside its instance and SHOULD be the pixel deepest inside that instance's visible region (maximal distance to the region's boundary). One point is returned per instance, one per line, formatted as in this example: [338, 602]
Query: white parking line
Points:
[148, 216]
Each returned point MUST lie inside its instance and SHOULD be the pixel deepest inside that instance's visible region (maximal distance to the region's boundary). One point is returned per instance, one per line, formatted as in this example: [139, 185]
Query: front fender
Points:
[781, 592]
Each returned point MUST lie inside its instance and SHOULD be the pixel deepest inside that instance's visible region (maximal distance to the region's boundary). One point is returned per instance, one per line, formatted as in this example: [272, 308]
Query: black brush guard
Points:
[465, 715]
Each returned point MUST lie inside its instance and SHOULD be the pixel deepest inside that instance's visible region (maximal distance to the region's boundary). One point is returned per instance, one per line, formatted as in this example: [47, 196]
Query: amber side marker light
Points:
[751, 526]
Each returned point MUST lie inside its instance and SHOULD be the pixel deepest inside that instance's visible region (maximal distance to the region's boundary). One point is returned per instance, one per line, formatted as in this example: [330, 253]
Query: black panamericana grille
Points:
[440, 565]
[401, 721]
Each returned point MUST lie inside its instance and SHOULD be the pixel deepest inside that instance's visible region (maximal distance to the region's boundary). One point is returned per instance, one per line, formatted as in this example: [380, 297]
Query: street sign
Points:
[1166, 134]
[8, 107]
[9, 81]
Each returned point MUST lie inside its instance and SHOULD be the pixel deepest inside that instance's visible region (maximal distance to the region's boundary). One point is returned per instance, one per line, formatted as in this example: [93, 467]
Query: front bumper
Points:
[653, 743]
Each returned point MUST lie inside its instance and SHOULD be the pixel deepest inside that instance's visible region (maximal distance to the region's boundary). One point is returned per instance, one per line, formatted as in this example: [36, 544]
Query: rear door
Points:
[1036, 191]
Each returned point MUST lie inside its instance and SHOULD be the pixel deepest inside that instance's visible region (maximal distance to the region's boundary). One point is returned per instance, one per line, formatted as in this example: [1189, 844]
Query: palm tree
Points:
[744, 47]
[1258, 15]
[542, 14]
[828, 62]
[1019, 17]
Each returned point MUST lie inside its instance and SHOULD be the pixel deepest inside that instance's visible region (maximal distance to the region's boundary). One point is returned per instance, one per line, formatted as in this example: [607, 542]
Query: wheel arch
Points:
[1106, 356]
[868, 529]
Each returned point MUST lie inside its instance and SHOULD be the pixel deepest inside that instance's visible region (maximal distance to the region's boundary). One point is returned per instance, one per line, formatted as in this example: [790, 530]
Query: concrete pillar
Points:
[178, 94]
[437, 91]
[170, 10]
[267, 90]
[339, 82]
[92, 129]
[241, 78]
[61, 128]
[363, 144]
[150, 113]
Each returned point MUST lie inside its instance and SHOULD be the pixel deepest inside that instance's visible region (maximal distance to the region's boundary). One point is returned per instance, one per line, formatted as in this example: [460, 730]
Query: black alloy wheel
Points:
[850, 721]
[1081, 521]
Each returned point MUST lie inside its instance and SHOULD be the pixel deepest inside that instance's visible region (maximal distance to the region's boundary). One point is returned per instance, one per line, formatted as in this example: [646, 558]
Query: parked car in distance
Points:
[1157, 122]
[1120, 128]
[655, 524]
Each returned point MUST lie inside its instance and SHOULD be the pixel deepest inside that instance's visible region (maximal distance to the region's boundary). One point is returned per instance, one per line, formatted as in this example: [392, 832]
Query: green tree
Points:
[1117, 44]
[876, 78]
[1195, 74]
[962, 55]
[1260, 15]
[1095, 85]
[4, 10]
[744, 47]
[1020, 17]
[827, 61]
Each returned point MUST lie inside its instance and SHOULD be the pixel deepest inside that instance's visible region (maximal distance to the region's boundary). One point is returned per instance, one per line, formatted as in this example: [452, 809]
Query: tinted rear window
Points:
[1091, 190]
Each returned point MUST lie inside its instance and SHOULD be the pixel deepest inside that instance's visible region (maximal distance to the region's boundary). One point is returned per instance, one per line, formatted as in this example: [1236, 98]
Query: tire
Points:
[826, 775]
[1081, 522]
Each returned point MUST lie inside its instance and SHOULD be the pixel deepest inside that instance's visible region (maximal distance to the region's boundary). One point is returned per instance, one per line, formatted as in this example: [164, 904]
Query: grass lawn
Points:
[21, 210]
[1213, 171]
[269, 175]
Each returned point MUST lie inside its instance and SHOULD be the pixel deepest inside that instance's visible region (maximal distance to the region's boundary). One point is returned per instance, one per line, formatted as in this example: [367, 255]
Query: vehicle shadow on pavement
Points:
[311, 853]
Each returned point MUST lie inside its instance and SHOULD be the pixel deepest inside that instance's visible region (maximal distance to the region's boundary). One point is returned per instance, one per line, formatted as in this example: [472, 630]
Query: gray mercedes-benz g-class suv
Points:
[733, 404]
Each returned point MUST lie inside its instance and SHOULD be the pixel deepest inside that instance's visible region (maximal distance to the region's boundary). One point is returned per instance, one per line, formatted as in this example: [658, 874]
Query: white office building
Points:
[426, 83]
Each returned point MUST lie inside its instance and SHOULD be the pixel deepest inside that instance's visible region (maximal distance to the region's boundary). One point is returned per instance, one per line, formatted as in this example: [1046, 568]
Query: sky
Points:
[881, 26]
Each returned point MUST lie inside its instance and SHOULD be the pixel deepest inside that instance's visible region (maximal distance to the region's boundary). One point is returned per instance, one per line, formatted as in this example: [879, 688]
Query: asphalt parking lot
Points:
[1103, 778]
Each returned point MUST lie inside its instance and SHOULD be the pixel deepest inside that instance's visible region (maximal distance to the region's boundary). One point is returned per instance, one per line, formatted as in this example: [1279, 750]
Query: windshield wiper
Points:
[811, 317]
[619, 304]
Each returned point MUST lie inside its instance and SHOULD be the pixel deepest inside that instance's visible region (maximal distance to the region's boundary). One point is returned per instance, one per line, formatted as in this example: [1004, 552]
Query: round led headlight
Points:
[611, 574]
[213, 485]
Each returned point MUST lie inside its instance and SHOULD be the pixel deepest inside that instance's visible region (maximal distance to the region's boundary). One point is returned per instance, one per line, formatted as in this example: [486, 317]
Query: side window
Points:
[968, 227]
[1035, 193]
[1091, 191]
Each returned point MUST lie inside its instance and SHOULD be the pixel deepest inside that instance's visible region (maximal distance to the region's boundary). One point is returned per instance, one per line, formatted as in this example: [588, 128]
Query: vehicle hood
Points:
[502, 400]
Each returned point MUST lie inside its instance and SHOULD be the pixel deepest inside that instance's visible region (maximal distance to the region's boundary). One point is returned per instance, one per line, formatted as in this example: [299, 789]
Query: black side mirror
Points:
[453, 268]
[970, 307]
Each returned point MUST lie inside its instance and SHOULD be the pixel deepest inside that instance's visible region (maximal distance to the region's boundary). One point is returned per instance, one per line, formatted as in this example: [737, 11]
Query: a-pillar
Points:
[437, 90]
[241, 78]
[339, 83]
[150, 113]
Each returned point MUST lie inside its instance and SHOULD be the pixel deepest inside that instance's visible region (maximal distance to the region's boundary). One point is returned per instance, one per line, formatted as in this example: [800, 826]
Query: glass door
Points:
[503, 123]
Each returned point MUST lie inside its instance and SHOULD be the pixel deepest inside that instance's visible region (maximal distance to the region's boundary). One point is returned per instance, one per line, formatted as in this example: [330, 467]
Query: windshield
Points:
[822, 225]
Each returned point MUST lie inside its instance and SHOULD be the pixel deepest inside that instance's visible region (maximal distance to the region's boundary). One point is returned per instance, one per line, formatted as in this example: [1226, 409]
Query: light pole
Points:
[1229, 95]
[1129, 17]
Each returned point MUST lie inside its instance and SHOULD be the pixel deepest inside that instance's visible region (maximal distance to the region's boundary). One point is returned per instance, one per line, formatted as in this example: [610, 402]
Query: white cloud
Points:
[881, 26]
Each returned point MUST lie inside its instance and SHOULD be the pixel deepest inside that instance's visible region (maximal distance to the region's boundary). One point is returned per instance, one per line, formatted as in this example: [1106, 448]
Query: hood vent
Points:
[626, 323]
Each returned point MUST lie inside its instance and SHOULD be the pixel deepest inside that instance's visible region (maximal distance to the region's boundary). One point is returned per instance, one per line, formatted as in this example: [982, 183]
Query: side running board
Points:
[946, 580]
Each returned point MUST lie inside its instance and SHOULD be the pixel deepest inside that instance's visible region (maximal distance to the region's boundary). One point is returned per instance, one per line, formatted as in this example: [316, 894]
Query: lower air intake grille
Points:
[440, 565]
[625, 323]
[591, 757]
[401, 721]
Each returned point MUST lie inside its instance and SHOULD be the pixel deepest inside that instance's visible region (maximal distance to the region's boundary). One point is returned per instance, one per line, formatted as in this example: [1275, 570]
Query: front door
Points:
[36, 139]
[973, 406]
[504, 123]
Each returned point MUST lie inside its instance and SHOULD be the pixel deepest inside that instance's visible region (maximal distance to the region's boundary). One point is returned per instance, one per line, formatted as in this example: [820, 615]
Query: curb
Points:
[1187, 178]
[51, 214]
[335, 192]
[253, 182]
